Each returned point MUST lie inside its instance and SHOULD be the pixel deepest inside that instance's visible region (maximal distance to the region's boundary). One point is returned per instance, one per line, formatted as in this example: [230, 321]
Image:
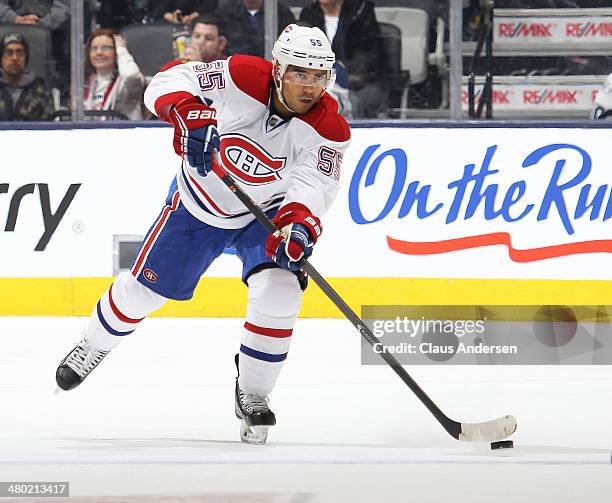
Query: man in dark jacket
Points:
[52, 14]
[23, 96]
[244, 25]
[357, 41]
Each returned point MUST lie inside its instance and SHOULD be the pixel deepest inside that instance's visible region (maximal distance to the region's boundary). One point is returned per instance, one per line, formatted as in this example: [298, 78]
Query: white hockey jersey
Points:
[275, 161]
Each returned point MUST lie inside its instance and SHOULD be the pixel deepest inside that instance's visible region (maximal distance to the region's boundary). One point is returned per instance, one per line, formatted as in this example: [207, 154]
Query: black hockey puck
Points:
[502, 444]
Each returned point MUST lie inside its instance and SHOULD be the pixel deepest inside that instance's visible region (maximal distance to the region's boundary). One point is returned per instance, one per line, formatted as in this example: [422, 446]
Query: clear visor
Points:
[308, 77]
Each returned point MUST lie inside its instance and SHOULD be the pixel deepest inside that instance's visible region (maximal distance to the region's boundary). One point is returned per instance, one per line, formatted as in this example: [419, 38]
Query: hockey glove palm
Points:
[195, 133]
[299, 230]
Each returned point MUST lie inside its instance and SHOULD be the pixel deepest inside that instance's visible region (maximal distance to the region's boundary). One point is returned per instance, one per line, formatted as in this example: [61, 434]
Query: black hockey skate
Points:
[254, 414]
[78, 364]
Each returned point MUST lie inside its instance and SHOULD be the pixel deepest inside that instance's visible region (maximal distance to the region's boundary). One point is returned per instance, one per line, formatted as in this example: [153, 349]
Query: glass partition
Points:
[543, 59]
[396, 59]
[391, 60]
[35, 68]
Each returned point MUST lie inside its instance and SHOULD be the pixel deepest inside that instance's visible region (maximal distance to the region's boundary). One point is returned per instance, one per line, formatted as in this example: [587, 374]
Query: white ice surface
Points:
[156, 420]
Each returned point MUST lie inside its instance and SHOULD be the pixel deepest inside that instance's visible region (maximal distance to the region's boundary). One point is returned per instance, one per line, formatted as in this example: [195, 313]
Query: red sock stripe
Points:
[118, 313]
[269, 332]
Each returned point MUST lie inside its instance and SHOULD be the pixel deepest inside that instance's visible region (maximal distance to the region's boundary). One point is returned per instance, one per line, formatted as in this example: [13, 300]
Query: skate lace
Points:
[84, 358]
[254, 403]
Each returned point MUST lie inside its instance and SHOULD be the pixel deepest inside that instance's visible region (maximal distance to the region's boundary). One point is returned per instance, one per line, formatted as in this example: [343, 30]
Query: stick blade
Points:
[491, 431]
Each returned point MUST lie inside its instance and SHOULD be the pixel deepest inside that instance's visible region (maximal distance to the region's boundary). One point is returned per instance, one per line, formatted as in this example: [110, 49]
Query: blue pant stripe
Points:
[258, 355]
[106, 326]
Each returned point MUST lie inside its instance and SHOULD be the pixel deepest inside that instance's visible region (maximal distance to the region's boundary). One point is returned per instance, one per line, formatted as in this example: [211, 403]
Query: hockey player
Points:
[279, 134]
[602, 108]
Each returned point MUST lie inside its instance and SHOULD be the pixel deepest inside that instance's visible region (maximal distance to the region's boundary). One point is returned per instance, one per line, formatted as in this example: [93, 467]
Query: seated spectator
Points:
[602, 108]
[340, 91]
[208, 35]
[114, 81]
[180, 11]
[207, 42]
[357, 41]
[50, 13]
[23, 96]
[54, 14]
[244, 22]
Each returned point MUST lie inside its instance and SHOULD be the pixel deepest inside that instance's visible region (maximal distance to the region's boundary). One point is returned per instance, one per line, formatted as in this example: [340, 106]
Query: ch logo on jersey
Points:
[249, 162]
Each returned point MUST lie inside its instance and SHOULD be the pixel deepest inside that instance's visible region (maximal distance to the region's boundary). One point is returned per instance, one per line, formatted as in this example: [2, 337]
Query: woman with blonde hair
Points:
[114, 81]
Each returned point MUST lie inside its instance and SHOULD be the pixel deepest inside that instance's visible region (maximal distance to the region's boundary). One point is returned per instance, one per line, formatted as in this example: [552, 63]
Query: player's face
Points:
[302, 87]
[14, 60]
[102, 54]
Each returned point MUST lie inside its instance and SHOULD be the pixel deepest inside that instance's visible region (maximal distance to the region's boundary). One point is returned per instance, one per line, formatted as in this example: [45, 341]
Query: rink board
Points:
[226, 297]
[427, 214]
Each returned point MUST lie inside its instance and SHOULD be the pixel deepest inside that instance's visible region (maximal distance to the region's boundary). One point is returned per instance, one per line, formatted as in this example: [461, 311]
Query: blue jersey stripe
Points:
[265, 206]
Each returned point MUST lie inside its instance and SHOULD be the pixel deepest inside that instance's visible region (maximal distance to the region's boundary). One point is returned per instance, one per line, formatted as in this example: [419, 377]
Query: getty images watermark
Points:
[490, 335]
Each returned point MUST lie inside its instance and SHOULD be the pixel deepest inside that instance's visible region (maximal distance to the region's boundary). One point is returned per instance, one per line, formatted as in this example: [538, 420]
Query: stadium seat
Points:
[296, 6]
[297, 3]
[150, 44]
[41, 60]
[414, 27]
[392, 40]
[433, 8]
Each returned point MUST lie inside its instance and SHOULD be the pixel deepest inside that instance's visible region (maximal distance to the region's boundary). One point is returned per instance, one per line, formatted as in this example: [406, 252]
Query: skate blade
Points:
[256, 435]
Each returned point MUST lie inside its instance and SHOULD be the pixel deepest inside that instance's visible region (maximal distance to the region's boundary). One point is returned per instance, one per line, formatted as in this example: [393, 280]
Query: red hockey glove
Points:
[298, 232]
[195, 133]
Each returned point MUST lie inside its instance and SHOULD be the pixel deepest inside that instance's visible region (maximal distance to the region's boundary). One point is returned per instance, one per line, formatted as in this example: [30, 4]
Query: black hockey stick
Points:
[489, 431]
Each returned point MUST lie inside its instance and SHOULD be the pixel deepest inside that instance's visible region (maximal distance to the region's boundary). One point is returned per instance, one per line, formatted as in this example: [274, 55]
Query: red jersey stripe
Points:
[154, 233]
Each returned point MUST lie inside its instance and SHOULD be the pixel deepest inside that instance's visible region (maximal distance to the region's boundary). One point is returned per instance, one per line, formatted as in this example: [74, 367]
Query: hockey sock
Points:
[274, 302]
[120, 310]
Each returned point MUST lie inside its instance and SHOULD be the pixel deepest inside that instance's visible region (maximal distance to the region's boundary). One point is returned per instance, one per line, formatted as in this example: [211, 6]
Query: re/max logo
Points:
[51, 219]
[525, 29]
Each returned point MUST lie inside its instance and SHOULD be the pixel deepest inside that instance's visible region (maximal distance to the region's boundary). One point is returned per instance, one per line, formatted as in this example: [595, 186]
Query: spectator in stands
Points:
[357, 41]
[23, 96]
[341, 91]
[244, 22]
[207, 42]
[50, 13]
[180, 11]
[54, 14]
[602, 108]
[114, 80]
[208, 35]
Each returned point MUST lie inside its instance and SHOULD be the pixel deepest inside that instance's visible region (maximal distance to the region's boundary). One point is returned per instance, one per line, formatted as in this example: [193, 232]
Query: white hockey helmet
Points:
[304, 47]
